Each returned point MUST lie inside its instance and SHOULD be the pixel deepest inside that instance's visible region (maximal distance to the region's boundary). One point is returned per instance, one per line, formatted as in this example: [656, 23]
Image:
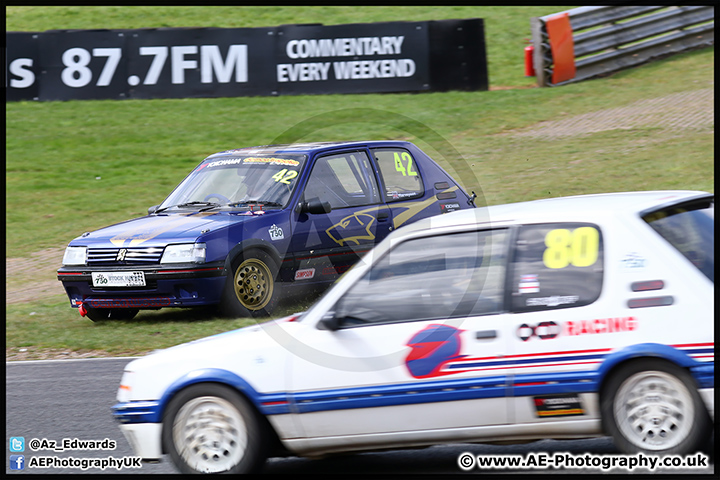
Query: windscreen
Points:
[240, 181]
[690, 229]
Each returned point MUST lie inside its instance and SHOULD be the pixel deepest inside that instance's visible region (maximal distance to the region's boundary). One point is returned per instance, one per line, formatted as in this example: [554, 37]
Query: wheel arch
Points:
[218, 377]
[251, 244]
[642, 352]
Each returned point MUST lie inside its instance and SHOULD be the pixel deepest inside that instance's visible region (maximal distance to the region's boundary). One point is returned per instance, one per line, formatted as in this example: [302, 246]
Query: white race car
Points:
[561, 318]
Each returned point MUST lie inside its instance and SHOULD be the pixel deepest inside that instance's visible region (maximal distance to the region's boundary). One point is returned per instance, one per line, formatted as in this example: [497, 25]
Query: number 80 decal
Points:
[578, 248]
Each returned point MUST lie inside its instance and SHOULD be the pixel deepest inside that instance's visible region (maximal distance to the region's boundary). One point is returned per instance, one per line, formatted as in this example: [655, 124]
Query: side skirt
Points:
[566, 429]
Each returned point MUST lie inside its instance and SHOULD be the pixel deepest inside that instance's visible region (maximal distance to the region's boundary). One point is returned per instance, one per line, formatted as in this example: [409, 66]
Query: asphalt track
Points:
[71, 399]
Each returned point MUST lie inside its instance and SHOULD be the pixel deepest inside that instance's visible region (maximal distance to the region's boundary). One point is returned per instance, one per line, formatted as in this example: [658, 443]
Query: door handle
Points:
[382, 215]
[485, 334]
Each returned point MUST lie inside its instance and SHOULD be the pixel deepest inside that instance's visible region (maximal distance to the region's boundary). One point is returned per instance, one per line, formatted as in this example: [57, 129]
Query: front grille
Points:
[133, 256]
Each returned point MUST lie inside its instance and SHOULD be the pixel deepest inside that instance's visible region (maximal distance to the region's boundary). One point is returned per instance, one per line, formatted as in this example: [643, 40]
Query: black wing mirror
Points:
[330, 322]
[314, 206]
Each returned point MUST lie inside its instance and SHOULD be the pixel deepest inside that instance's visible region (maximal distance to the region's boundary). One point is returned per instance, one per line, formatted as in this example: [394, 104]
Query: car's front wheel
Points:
[654, 407]
[210, 428]
[251, 289]
[99, 314]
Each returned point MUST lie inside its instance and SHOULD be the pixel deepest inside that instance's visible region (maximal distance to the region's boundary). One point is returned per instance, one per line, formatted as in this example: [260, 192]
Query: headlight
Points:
[75, 256]
[186, 253]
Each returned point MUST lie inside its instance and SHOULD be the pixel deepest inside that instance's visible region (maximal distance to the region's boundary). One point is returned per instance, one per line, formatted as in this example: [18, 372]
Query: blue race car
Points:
[246, 222]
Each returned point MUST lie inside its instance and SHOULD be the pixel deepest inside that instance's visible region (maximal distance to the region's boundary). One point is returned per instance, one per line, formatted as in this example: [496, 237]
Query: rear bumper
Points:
[181, 286]
[704, 375]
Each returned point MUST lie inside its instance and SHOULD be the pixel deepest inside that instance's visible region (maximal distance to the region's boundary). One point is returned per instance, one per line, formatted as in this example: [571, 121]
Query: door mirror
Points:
[152, 209]
[329, 322]
[315, 206]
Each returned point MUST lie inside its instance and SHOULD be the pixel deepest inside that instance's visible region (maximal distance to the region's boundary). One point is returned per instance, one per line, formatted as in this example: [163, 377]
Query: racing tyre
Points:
[99, 314]
[251, 288]
[210, 428]
[654, 407]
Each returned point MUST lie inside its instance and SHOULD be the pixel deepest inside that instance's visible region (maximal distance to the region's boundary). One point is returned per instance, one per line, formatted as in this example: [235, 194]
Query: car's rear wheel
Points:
[251, 289]
[210, 428]
[654, 407]
[100, 314]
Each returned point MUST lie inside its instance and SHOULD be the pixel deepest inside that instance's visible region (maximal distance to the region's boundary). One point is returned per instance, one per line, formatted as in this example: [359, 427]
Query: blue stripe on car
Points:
[422, 392]
[510, 363]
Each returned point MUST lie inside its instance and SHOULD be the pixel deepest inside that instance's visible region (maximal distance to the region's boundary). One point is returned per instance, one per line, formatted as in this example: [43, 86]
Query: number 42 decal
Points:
[406, 172]
[284, 176]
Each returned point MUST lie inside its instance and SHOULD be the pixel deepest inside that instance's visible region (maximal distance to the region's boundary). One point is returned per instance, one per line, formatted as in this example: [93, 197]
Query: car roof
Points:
[574, 208]
[307, 148]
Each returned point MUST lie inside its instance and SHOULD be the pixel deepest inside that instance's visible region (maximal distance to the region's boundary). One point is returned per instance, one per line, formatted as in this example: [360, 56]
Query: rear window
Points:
[558, 265]
[399, 173]
[690, 229]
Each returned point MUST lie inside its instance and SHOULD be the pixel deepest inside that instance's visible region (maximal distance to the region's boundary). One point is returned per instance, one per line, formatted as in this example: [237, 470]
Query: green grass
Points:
[80, 165]
[51, 324]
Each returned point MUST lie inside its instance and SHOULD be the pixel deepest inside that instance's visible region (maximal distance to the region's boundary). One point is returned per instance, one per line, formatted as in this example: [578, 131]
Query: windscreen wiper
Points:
[265, 203]
[190, 204]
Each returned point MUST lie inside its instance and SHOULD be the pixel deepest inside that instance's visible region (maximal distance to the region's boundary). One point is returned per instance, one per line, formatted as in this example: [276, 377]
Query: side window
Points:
[343, 180]
[443, 276]
[556, 266]
[400, 174]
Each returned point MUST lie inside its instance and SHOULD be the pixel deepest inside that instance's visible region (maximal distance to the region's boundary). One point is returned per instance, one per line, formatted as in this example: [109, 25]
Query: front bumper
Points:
[145, 439]
[140, 424]
[177, 286]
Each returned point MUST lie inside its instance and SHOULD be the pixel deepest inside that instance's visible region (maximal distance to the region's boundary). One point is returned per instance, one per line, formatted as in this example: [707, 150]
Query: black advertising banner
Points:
[154, 63]
[232, 62]
[82, 64]
[359, 58]
[457, 55]
[21, 64]
[199, 62]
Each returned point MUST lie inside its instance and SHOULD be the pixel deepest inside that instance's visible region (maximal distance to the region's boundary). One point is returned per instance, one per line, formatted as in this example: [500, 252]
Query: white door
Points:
[420, 346]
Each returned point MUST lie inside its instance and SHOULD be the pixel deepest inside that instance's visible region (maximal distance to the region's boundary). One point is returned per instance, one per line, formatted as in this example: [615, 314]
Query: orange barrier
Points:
[562, 47]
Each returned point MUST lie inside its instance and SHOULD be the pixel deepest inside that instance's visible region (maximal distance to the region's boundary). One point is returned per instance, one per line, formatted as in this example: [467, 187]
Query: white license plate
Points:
[118, 279]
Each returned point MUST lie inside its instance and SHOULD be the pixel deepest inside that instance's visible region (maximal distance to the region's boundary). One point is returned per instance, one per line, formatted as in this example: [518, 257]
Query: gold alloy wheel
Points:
[253, 284]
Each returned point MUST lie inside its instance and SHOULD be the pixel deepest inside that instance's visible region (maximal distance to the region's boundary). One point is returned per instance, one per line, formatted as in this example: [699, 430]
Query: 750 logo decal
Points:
[276, 233]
